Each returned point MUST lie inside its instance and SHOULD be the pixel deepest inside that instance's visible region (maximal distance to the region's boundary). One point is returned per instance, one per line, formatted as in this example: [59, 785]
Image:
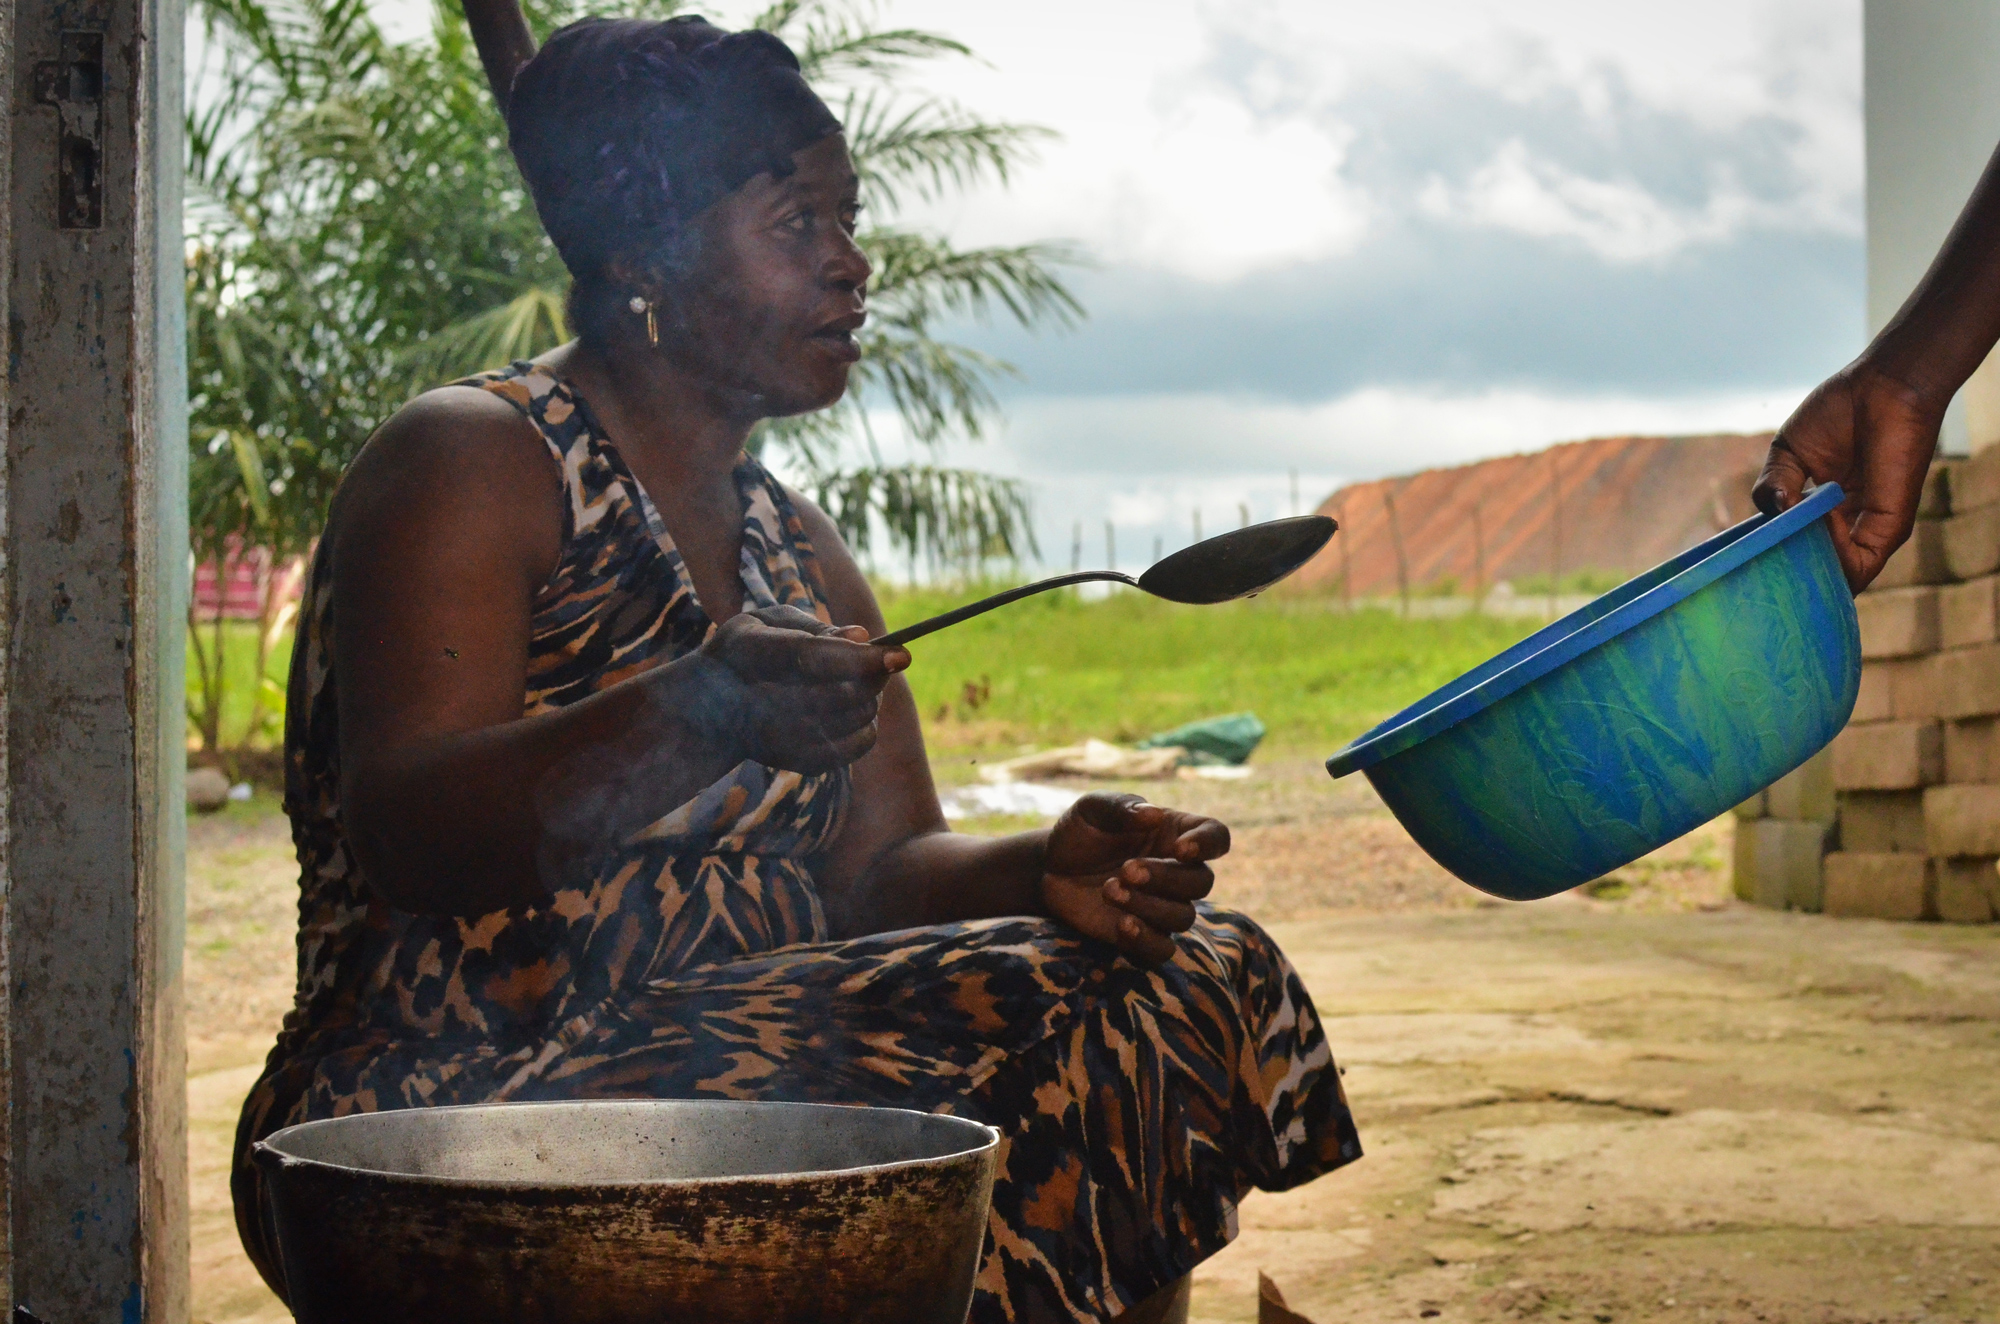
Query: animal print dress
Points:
[1136, 1106]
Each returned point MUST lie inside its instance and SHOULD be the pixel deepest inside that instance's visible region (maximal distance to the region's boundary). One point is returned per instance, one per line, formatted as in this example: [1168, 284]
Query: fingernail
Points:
[1134, 873]
[1130, 927]
[1117, 893]
[897, 661]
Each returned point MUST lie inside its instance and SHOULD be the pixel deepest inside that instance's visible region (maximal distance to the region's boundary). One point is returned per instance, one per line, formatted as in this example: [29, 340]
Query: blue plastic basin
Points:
[1632, 720]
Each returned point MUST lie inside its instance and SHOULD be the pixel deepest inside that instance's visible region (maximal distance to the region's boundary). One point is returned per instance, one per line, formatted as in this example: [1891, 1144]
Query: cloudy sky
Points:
[1352, 240]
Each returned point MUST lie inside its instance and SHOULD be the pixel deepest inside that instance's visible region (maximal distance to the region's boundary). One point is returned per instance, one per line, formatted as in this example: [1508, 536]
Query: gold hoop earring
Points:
[639, 304]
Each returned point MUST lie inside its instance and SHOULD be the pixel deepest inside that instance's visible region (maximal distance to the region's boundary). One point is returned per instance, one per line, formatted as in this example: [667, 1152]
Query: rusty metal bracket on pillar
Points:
[93, 545]
[74, 84]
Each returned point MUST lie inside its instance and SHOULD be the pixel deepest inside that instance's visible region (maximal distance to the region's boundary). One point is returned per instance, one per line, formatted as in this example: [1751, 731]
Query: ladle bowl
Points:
[627, 1212]
[1237, 564]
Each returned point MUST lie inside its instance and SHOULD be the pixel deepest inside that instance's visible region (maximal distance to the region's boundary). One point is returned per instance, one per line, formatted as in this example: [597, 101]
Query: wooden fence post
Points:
[1555, 530]
[1396, 541]
[1345, 540]
[1478, 557]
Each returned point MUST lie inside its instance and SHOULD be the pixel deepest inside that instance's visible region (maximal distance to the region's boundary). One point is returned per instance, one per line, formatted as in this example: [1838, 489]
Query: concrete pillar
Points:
[92, 1094]
[1931, 80]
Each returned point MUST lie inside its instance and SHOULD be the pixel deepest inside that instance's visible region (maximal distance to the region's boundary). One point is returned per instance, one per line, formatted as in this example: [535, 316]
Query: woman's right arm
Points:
[1872, 427]
[454, 803]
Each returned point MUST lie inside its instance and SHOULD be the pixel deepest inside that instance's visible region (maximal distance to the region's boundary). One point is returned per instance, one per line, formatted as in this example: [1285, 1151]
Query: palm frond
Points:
[919, 278]
[837, 39]
[928, 148]
[837, 51]
[938, 389]
[778, 18]
[250, 467]
[532, 322]
[956, 518]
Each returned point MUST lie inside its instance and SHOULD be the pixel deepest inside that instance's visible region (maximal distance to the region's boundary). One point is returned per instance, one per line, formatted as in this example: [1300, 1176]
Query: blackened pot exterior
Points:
[890, 1239]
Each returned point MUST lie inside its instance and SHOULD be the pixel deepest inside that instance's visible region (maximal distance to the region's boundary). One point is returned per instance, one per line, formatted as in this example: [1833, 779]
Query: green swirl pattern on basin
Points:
[1632, 721]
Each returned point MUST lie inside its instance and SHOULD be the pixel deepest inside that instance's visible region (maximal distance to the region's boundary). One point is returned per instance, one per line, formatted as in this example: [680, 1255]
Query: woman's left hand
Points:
[1127, 872]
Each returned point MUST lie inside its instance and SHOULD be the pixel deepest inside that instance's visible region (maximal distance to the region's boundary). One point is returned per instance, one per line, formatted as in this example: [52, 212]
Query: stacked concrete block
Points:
[1917, 771]
[1880, 885]
[1781, 836]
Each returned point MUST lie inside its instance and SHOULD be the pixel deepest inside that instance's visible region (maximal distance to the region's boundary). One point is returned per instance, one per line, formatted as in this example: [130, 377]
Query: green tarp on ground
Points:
[1212, 740]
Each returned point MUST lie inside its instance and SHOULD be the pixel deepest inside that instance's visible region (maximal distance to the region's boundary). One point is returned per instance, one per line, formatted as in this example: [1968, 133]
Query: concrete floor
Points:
[1628, 1109]
[1579, 1113]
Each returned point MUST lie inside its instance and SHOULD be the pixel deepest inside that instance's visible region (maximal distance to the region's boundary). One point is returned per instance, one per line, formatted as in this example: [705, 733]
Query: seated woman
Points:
[600, 792]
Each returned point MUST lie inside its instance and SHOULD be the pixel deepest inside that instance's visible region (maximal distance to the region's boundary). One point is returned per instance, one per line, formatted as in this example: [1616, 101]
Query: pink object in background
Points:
[238, 587]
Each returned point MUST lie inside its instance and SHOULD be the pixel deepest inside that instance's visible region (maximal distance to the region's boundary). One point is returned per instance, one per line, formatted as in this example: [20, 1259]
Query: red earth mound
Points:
[1618, 504]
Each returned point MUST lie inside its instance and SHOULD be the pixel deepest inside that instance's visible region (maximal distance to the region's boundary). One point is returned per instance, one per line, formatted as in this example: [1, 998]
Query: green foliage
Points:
[245, 722]
[1054, 669]
[325, 291]
[322, 289]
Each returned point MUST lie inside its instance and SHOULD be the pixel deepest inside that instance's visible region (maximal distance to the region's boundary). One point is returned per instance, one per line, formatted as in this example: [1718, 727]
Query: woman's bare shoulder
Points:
[449, 424]
[463, 464]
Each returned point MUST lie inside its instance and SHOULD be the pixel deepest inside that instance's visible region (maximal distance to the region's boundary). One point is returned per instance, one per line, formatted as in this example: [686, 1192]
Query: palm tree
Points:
[323, 290]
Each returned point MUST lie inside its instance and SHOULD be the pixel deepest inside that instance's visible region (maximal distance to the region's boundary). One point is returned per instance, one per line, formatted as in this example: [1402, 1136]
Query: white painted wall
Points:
[1932, 86]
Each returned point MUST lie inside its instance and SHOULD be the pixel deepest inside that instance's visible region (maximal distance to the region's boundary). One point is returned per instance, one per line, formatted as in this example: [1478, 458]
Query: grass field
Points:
[1055, 669]
[239, 662]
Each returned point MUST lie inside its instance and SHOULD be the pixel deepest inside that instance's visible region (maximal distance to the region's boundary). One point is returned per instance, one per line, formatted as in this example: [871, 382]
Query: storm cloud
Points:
[1351, 240]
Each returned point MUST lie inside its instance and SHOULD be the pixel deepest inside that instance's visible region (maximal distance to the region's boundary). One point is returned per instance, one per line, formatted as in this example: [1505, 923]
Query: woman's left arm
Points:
[1112, 867]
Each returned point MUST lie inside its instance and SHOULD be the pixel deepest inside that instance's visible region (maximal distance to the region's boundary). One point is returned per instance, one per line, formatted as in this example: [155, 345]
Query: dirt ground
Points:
[1641, 1102]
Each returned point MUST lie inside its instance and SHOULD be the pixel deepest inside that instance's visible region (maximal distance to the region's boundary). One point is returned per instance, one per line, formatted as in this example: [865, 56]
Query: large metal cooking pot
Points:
[628, 1212]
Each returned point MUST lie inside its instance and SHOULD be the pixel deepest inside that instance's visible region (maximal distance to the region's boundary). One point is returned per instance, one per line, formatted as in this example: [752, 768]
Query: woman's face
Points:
[769, 311]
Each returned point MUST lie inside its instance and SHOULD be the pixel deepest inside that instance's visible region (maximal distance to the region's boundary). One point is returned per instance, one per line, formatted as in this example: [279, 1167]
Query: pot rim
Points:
[268, 1154]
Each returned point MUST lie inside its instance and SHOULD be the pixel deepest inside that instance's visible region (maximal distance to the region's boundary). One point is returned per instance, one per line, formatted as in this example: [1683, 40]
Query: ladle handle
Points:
[984, 605]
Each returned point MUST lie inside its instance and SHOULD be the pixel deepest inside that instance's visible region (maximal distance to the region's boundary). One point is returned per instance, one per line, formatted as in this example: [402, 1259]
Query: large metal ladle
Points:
[1219, 569]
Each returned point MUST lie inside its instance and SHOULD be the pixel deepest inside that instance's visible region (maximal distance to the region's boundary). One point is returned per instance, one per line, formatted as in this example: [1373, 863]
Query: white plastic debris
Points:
[1008, 798]
[240, 791]
[1093, 758]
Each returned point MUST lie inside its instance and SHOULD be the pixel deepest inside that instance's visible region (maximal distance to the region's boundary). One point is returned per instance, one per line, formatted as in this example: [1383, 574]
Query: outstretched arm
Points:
[1112, 867]
[500, 31]
[1872, 427]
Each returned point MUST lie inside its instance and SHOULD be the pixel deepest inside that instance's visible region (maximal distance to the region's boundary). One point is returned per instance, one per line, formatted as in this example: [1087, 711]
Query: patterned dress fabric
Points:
[1137, 1106]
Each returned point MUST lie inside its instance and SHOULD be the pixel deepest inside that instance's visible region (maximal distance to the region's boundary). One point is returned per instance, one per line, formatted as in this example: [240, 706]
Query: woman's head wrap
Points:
[627, 129]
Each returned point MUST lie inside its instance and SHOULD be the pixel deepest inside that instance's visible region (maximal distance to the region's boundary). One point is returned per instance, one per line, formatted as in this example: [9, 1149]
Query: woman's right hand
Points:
[793, 692]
